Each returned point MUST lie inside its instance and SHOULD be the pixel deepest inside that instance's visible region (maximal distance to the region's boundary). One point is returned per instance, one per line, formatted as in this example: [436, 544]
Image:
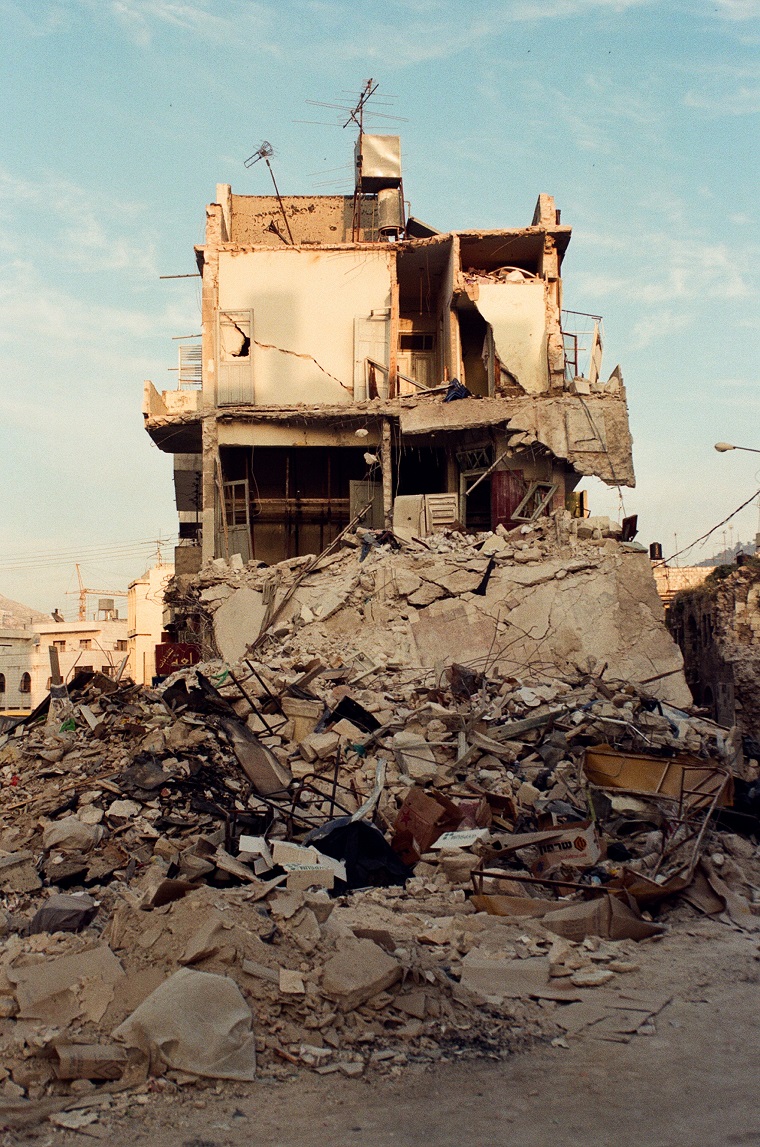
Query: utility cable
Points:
[704, 537]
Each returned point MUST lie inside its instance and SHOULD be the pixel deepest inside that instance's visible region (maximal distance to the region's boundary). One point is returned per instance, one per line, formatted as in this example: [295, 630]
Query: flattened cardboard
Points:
[606, 916]
[655, 776]
[497, 904]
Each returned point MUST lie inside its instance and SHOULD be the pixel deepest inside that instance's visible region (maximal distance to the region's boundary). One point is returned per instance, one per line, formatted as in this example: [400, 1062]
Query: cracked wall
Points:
[304, 306]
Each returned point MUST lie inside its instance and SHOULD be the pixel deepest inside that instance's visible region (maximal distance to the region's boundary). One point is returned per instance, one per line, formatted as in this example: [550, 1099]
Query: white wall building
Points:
[25, 660]
[145, 613]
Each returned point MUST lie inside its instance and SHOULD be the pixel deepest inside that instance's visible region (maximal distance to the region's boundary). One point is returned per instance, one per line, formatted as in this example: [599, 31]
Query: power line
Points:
[115, 552]
[704, 537]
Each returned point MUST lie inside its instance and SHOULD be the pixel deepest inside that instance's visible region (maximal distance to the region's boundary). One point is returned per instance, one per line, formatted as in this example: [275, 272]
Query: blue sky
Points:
[120, 116]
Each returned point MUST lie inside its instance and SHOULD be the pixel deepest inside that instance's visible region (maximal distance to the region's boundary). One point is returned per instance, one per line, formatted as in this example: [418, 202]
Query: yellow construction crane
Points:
[83, 591]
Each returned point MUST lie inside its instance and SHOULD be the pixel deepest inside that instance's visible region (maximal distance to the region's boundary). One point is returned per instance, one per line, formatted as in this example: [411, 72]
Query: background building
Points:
[25, 660]
[145, 613]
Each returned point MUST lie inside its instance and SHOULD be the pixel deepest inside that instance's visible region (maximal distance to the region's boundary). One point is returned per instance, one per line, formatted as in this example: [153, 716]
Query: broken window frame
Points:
[548, 490]
[475, 459]
[573, 350]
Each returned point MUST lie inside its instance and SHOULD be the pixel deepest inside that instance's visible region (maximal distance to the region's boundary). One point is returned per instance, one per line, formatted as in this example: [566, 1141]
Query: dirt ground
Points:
[692, 1082]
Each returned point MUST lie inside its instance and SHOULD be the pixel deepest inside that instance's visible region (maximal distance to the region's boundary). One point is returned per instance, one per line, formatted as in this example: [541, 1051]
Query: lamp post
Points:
[722, 447]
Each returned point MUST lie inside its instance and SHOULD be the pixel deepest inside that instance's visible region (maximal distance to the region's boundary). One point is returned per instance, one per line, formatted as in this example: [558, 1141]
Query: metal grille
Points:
[190, 367]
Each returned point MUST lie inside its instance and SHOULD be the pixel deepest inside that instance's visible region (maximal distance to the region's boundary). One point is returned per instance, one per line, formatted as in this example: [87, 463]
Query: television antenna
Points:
[265, 151]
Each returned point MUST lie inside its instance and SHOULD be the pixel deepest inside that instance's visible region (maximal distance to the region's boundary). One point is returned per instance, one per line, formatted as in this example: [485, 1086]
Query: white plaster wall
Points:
[31, 656]
[517, 315]
[304, 303]
[146, 621]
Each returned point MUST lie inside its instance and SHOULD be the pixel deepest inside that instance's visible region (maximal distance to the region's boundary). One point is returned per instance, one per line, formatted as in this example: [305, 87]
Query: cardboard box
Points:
[576, 845]
[422, 818]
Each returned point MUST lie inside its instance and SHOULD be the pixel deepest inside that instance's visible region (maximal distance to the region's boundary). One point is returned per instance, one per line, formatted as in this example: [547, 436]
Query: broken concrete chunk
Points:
[426, 594]
[123, 810]
[319, 746]
[267, 775]
[359, 970]
[499, 979]
[591, 977]
[415, 756]
[206, 941]
[452, 580]
[71, 835]
[18, 873]
[64, 913]
[237, 623]
[57, 991]
[291, 983]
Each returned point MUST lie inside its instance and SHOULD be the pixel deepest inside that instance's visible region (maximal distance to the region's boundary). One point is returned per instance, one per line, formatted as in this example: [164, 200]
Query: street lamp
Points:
[721, 447]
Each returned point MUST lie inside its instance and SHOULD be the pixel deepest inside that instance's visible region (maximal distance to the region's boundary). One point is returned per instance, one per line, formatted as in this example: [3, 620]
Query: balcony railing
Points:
[582, 340]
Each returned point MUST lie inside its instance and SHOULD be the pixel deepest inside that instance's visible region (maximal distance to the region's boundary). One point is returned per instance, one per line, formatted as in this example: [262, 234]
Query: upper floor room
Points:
[310, 299]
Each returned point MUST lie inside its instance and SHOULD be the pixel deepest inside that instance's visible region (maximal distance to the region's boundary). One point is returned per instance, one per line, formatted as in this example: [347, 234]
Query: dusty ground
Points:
[694, 1082]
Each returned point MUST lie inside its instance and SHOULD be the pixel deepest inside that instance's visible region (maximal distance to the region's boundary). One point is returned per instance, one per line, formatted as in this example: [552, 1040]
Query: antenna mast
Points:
[264, 151]
[356, 115]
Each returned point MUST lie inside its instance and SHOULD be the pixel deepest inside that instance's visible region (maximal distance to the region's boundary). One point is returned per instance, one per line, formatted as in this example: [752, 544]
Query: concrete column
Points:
[208, 514]
[386, 458]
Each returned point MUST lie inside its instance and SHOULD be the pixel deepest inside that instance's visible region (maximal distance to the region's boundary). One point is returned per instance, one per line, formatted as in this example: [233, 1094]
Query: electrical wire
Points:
[84, 554]
[704, 537]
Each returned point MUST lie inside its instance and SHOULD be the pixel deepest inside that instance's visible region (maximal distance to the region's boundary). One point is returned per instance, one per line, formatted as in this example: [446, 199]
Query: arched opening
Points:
[25, 684]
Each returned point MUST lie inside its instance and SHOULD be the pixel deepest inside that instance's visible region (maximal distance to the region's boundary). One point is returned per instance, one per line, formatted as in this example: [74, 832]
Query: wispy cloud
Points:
[743, 100]
[737, 9]
[683, 270]
[658, 325]
[89, 232]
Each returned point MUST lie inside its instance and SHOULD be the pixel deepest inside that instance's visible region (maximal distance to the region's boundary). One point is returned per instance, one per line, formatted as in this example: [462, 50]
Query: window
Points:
[2, 682]
[25, 685]
[85, 643]
[107, 670]
[122, 646]
[419, 342]
[60, 646]
[49, 683]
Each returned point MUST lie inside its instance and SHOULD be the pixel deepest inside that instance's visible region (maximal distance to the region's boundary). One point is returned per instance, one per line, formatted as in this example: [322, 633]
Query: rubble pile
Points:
[557, 596]
[341, 851]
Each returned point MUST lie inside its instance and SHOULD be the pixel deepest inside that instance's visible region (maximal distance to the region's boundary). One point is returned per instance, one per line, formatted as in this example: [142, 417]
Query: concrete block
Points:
[237, 623]
[415, 756]
[304, 876]
[285, 852]
[358, 971]
[319, 746]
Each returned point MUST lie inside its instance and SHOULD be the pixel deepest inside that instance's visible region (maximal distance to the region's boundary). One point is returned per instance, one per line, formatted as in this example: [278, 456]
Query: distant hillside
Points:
[728, 557]
[14, 615]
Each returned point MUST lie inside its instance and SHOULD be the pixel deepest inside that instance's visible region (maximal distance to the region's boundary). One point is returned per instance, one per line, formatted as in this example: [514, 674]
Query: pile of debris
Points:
[326, 852]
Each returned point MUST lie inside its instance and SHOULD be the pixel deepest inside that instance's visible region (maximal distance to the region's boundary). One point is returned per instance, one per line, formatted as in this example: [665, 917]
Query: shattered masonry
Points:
[350, 861]
[436, 776]
[717, 626]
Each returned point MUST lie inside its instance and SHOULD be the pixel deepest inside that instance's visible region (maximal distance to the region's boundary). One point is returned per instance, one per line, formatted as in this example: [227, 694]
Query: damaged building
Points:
[717, 627]
[356, 359]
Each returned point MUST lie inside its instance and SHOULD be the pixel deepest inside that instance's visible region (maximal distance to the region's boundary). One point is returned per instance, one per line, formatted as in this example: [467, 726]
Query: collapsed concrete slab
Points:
[554, 597]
